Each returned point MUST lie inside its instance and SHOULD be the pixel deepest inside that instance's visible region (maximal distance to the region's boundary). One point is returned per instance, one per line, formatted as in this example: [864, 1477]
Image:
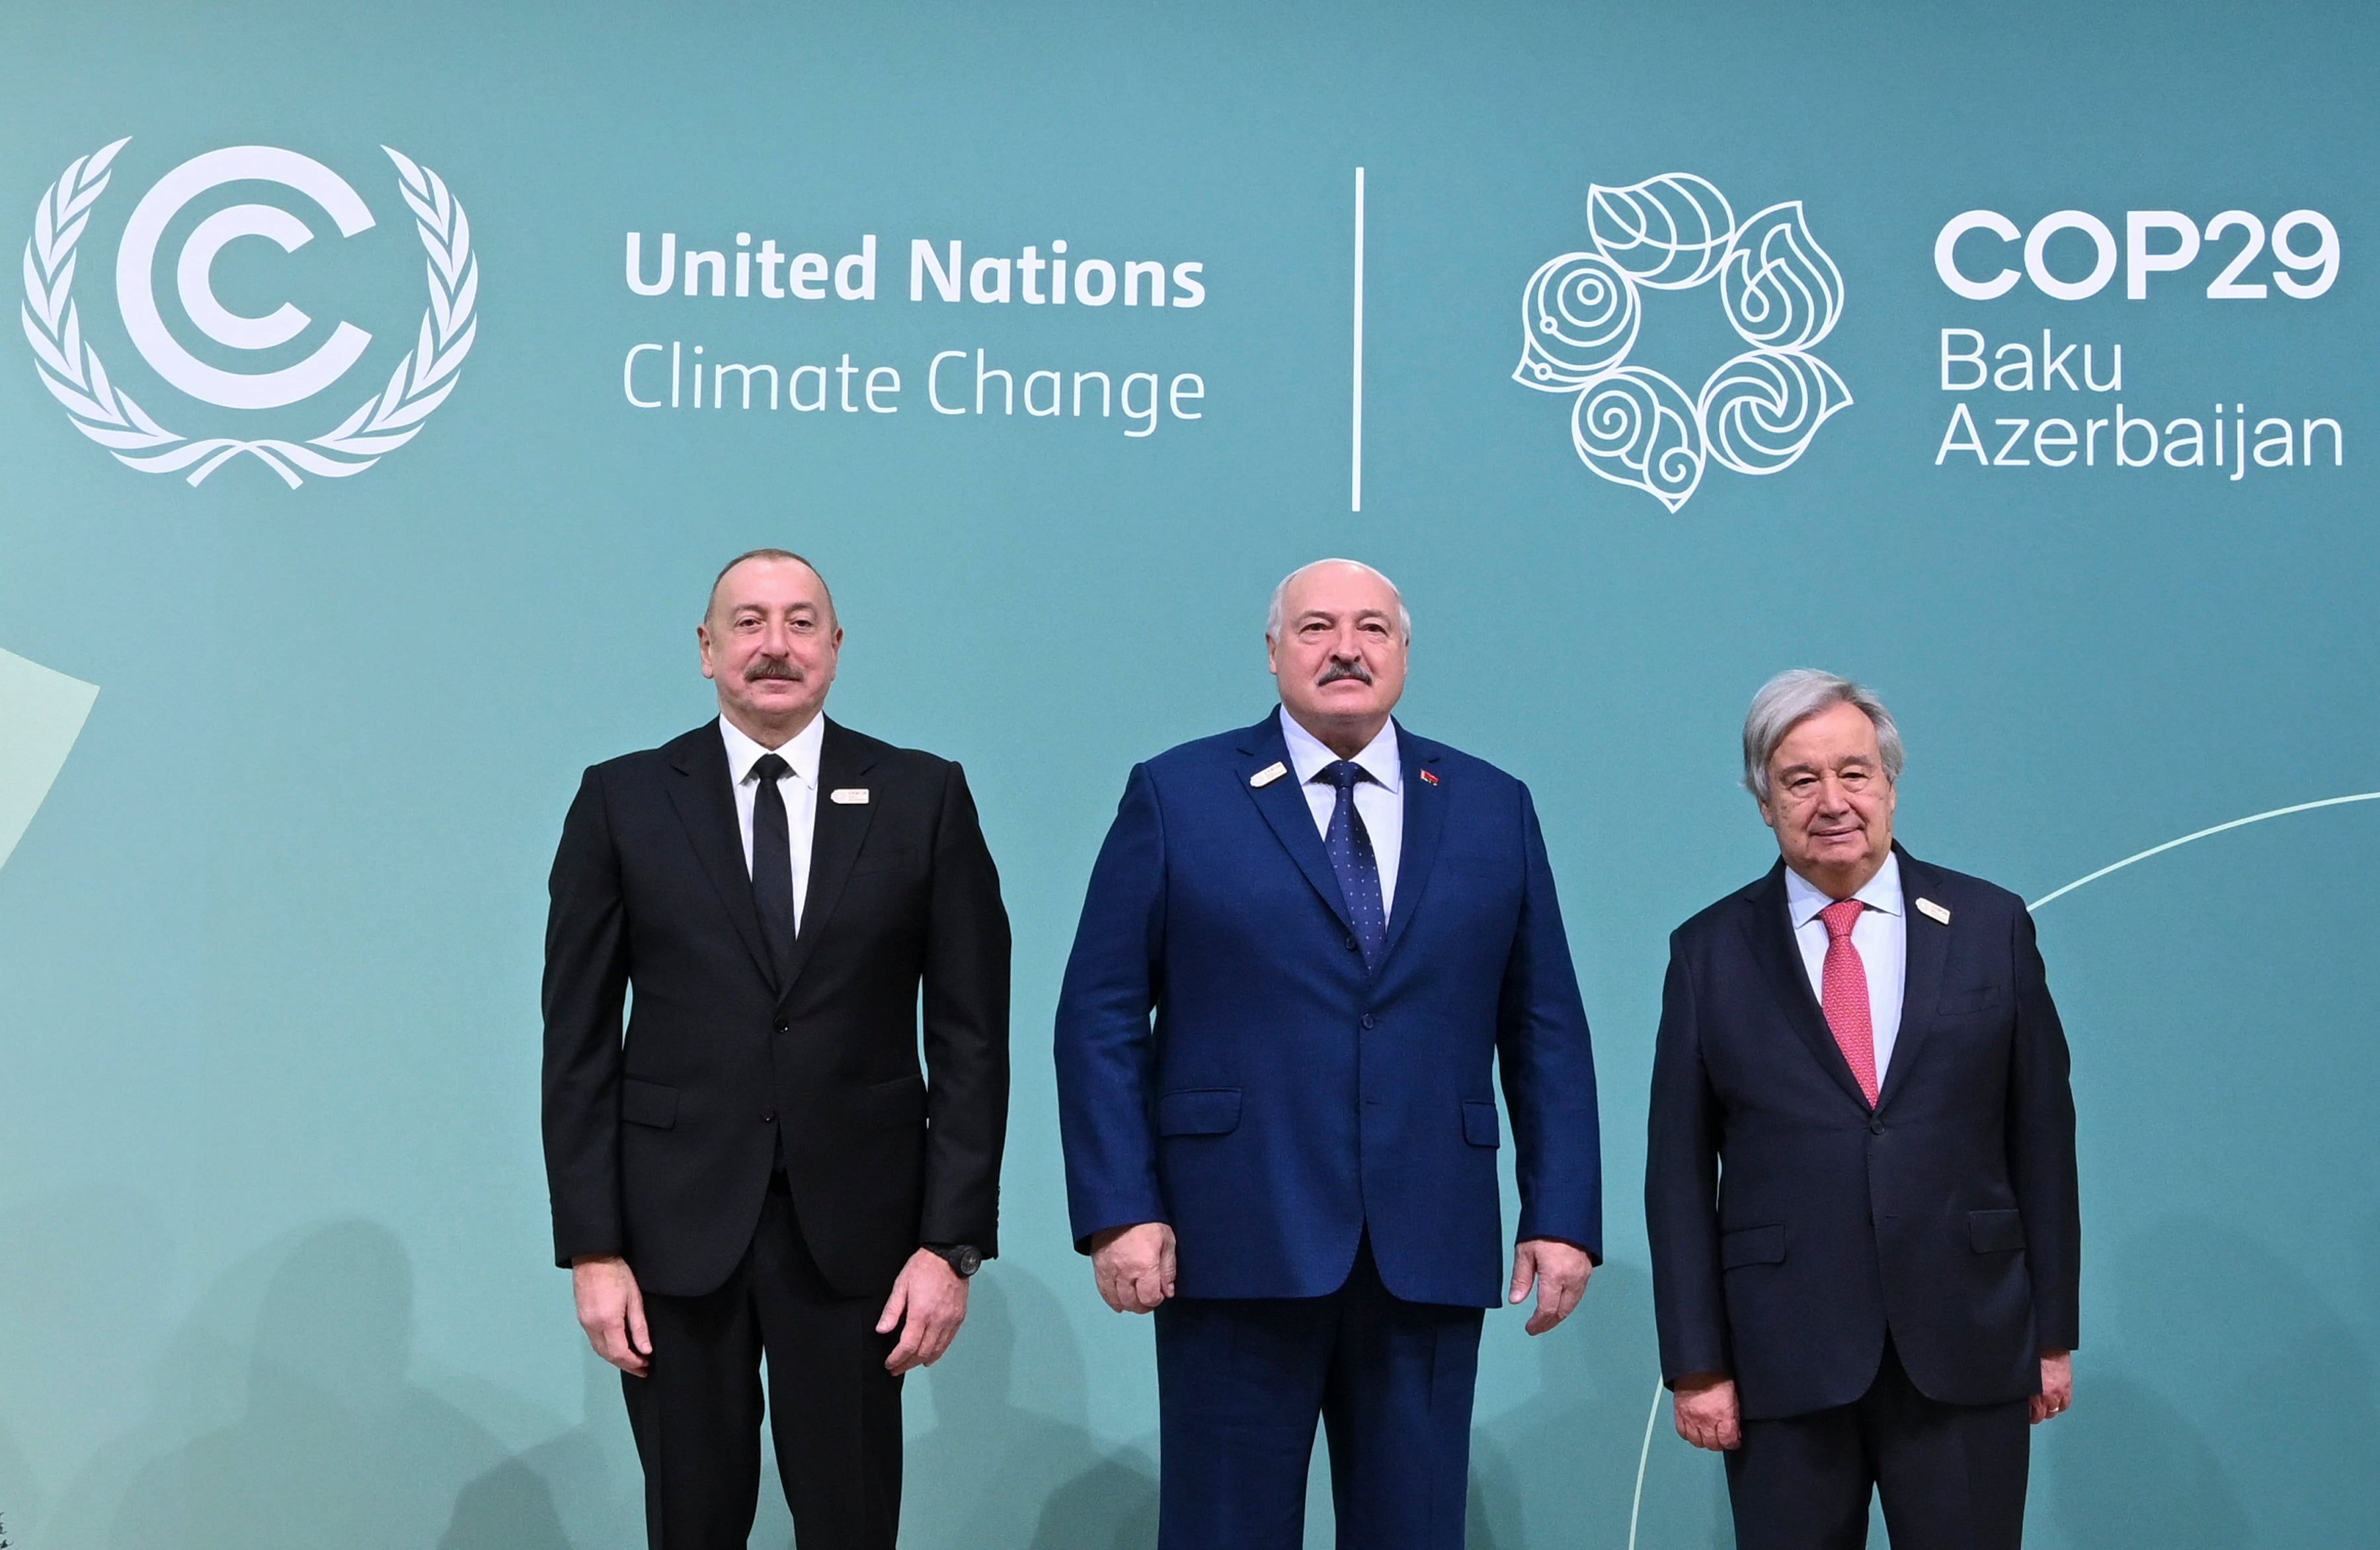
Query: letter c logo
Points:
[136, 266]
[1946, 263]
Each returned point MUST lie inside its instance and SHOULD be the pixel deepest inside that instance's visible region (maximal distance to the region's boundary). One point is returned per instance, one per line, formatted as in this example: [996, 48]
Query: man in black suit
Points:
[758, 1165]
[1861, 1182]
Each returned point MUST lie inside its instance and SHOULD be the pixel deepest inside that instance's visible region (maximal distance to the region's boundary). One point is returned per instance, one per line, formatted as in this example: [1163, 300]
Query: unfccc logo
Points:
[70, 366]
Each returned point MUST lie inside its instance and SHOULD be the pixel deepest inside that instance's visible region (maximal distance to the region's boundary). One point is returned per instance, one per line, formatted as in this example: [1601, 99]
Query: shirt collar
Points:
[1803, 899]
[801, 752]
[1308, 755]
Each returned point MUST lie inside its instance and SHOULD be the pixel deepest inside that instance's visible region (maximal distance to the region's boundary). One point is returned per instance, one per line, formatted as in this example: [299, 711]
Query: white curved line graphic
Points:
[2236, 822]
[1644, 1455]
[1637, 1505]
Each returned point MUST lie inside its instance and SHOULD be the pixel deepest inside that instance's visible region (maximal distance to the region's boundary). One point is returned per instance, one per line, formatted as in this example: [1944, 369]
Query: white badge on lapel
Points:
[849, 795]
[1932, 911]
[1270, 773]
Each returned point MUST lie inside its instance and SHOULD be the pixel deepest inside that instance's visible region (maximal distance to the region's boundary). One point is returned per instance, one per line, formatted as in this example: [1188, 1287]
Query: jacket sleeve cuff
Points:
[579, 1240]
[1691, 1344]
[1693, 1363]
[1580, 1229]
[1591, 1249]
[1089, 1224]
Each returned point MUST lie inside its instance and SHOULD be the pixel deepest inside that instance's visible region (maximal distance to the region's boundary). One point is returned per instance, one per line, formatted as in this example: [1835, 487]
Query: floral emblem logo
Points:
[1636, 427]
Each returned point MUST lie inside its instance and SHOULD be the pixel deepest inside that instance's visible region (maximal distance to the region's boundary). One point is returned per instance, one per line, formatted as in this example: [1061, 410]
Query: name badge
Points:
[1933, 911]
[1270, 773]
[849, 795]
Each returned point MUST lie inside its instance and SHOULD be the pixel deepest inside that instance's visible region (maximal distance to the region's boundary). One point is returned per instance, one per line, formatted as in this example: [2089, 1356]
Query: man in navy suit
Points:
[1339, 927]
[1860, 1185]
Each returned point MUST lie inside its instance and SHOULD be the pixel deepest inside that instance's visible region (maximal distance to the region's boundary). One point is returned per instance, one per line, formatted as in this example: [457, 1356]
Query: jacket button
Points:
[785, 1027]
[768, 1117]
[1875, 1124]
[1350, 944]
[1367, 1020]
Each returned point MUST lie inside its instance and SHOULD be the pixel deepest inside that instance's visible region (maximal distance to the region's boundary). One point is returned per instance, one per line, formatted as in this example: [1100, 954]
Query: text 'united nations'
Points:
[770, 273]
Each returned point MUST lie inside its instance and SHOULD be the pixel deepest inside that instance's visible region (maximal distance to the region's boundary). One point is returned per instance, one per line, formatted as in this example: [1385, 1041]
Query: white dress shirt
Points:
[798, 786]
[1380, 801]
[1881, 935]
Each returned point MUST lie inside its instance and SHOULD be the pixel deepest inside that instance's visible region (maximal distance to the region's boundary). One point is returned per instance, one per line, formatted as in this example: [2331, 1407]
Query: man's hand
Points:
[2056, 1386]
[928, 1304]
[1708, 1413]
[1560, 1271]
[1134, 1266]
[611, 1311]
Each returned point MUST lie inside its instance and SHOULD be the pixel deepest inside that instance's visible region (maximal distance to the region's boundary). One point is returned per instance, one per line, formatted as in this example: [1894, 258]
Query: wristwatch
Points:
[964, 1258]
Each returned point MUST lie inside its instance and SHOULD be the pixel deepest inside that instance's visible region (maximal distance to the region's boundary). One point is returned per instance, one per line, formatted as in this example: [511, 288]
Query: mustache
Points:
[1352, 668]
[772, 668]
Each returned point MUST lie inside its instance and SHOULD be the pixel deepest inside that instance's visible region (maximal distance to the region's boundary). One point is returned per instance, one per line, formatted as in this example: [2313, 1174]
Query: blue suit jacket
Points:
[1792, 1226]
[1285, 1099]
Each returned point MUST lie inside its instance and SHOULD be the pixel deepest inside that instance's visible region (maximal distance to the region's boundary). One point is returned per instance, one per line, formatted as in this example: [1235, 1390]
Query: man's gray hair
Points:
[1272, 613]
[1793, 697]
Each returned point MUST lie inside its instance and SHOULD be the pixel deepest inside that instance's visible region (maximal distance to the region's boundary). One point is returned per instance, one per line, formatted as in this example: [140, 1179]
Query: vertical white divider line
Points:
[1355, 476]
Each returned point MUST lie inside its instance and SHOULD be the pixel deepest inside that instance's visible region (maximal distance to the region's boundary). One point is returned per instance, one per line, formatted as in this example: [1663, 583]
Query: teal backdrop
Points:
[273, 1251]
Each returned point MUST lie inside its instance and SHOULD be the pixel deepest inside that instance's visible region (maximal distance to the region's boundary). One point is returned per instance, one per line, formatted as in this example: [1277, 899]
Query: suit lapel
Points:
[1282, 802]
[704, 795]
[1922, 965]
[1425, 805]
[836, 833]
[1770, 931]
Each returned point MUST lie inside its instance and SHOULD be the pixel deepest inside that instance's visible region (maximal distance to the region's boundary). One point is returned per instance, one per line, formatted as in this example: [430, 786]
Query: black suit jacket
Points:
[1792, 1227]
[659, 1142]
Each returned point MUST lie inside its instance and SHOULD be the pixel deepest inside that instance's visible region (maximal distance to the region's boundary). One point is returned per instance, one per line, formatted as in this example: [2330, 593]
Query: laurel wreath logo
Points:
[71, 368]
[1757, 414]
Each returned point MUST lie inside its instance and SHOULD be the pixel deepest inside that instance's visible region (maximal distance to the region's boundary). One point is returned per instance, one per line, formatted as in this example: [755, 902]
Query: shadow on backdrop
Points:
[1010, 1460]
[993, 1470]
[584, 1482]
[2175, 1494]
[331, 1443]
[1559, 1468]
[2263, 1427]
[82, 1278]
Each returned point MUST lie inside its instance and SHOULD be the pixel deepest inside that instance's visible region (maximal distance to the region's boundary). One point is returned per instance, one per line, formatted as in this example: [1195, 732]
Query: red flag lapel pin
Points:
[1430, 777]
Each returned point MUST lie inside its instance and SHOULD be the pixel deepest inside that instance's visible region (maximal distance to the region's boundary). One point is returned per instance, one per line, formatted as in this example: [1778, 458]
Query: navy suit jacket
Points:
[1285, 1099]
[1792, 1226]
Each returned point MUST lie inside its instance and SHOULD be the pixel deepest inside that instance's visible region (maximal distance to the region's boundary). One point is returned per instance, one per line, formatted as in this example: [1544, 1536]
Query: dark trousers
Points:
[1240, 1382]
[1953, 1476]
[833, 1409]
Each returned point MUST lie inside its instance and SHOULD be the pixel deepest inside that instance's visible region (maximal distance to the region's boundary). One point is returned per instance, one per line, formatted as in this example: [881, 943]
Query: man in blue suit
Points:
[1860, 1185]
[1339, 928]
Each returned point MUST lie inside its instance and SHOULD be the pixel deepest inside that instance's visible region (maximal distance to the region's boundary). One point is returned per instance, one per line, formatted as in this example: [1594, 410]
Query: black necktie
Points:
[773, 861]
[1352, 859]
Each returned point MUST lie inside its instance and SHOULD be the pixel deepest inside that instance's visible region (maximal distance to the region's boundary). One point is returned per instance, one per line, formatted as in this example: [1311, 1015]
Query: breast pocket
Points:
[1477, 894]
[888, 858]
[1965, 1003]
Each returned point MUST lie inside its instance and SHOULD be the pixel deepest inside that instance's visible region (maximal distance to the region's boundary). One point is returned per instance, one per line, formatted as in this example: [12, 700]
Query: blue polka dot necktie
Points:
[1350, 845]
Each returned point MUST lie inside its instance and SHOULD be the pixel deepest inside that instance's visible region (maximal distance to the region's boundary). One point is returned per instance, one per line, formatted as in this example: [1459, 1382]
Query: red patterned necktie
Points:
[1843, 994]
